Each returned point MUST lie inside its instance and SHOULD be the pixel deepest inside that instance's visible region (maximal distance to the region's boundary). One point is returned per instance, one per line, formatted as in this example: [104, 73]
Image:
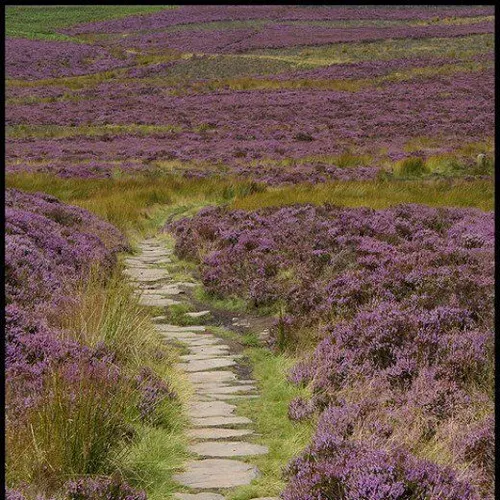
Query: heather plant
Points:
[403, 300]
[76, 345]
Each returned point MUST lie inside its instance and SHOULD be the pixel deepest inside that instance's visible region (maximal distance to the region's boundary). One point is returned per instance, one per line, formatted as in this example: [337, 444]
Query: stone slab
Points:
[229, 389]
[197, 314]
[198, 496]
[176, 328]
[139, 274]
[230, 397]
[201, 356]
[214, 350]
[227, 449]
[208, 364]
[216, 473]
[212, 377]
[210, 409]
[153, 301]
[219, 421]
[215, 433]
[201, 341]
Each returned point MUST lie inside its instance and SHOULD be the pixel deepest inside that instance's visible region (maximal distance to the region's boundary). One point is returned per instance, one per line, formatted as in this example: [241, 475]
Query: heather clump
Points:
[73, 394]
[400, 304]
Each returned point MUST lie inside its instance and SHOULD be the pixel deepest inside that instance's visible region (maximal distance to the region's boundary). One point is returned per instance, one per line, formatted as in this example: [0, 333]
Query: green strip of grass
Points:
[376, 194]
[134, 204]
[42, 22]
[285, 439]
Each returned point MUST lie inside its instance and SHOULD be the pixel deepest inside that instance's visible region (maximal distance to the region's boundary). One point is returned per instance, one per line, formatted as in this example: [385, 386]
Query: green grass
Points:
[377, 194]
[134, 204]
[42, 22]
[64, 437]
[347, 85]
[62, 132]
[339, 53]
[285, 439]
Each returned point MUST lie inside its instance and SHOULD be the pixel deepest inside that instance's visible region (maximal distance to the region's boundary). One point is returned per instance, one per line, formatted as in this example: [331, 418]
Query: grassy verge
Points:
[376, 194]
[69, 434]
[285, 439]
[42, 22]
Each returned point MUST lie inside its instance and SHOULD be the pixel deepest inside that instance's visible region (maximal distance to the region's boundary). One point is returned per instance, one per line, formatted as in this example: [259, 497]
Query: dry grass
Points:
[133, 204]
[376, 194]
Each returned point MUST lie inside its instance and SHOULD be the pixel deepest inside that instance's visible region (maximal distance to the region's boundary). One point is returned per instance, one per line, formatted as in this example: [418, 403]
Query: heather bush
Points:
[102, 487]
[76, 343]
[400, 304]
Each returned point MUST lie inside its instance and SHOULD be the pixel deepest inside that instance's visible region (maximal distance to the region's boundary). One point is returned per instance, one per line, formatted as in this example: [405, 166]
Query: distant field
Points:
[42, 23]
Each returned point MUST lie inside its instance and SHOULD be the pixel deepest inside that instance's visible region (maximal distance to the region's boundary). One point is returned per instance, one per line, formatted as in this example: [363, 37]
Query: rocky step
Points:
[216, 473]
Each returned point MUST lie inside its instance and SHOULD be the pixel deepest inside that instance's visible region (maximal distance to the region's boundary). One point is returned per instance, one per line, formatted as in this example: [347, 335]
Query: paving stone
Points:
[230, 397]
[199, 356]
[219, 421]
[153, 259]
[215, 433]
[227, 449]
[177, 335]
[230, 389]
[211, 409]
[205, 341]
[197, 314]
[139, 274]
[216, 473]
[176, 328]
[218, 349]
[212, 377]
[208, 364]
[198, 496]
[157, 301]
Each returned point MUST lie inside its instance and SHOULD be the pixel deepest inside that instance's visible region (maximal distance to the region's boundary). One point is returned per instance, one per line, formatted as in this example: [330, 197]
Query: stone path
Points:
[217, 434]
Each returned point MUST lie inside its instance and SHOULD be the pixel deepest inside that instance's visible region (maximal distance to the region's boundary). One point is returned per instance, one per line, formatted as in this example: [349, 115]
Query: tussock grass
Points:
[78, 429]
[92, 425]
[376, 194]
[134, 204]
[347, 85]
[108, 312]
[339, 53]
[62, 132]
[285, 439]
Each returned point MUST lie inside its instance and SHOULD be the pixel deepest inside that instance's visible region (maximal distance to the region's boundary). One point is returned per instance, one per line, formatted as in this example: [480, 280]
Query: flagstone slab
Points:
[139, 274]
[176, 328]
[216, 473]
[227, 449]
[157, 301]
[219, 421]
[214, 350]
[211, 409]
[228, 389]
[197, 314]
[201, 356]
[216, 433]
[230, 397]
[208, 364]
[205, 341]
[198, 496]
[212, 376]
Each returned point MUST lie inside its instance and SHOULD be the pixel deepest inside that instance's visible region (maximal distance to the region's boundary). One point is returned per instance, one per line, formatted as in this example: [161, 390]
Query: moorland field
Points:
[321, 180]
